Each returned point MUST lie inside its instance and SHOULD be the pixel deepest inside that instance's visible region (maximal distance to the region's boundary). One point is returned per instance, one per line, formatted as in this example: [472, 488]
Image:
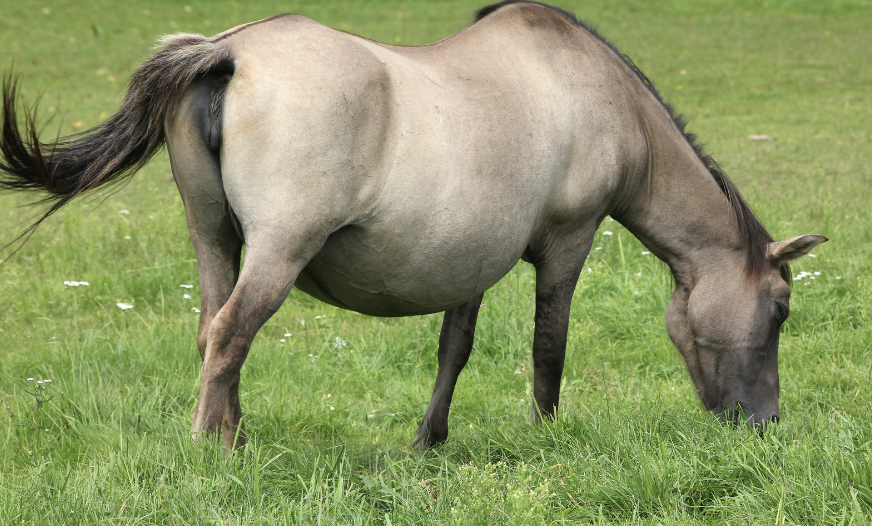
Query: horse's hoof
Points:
[425, 441]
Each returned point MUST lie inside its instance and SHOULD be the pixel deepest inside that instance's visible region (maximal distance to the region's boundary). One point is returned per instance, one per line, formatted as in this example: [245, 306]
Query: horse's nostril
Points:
[774, 419]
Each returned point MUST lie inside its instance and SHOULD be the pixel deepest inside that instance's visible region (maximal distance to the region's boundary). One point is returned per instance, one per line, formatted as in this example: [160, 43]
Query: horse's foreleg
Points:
[555, 285]
[455, 344]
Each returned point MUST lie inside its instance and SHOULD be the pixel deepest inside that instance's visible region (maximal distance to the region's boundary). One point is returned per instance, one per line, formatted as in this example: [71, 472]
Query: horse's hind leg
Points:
[216, 243]
[218, 252]
[455, 344]
[270, 269]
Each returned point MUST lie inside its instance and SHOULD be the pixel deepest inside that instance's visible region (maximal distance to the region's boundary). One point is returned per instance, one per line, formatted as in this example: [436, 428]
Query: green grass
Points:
[330, 433]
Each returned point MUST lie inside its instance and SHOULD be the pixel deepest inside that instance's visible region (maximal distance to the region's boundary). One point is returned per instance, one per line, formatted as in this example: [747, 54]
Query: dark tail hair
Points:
[115, 149]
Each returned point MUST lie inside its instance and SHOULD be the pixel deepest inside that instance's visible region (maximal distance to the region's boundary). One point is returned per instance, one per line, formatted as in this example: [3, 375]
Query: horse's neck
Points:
[678, 210]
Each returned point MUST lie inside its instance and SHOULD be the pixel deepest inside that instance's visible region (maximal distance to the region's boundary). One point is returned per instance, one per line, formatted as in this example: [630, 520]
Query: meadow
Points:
[332, 398]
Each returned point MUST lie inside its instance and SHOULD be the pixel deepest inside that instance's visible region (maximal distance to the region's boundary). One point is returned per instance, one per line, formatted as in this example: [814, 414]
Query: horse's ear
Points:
[783, 251]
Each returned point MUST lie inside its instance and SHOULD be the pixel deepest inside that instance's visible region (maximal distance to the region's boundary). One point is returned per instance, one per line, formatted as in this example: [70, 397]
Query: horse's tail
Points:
[115, 149]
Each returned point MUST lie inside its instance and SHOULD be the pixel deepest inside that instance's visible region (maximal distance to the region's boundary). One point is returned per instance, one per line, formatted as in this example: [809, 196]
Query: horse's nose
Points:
[766, 419]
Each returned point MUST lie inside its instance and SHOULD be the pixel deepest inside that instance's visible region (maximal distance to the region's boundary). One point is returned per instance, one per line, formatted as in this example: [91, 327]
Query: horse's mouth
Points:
[734, 413]
[744, 412]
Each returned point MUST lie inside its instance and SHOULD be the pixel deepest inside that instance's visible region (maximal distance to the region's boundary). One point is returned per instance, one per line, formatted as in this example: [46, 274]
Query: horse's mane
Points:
[754, 236]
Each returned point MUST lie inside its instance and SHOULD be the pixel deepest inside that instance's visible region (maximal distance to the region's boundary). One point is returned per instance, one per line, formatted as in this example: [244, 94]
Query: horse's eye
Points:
[782, 312]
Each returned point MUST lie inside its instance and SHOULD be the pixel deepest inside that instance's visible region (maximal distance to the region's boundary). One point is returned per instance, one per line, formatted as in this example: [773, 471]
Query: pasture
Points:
[332, 398]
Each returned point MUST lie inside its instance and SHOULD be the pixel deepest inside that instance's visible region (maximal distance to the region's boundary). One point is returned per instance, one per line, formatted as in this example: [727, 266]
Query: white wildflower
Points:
[282, 340]
[288, 335]
[30, 379]
[39, 382]
[195, 309]
[812, 256]
[186, 296]
[607, 233]
[124, 306]
[317, 317]
[76, 283]
[598, 248]
[645, 252]
[127, 237]
[340, 343]
[125, 212]
[186, 286]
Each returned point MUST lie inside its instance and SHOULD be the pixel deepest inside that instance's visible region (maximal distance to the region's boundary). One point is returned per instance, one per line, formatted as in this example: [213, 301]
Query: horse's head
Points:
[726, 326]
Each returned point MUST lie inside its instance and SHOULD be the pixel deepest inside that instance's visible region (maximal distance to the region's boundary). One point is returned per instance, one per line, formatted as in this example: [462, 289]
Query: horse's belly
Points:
[407, 273]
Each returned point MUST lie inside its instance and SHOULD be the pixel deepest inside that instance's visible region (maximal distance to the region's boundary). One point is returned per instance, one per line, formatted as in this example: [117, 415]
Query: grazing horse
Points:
[397, 181]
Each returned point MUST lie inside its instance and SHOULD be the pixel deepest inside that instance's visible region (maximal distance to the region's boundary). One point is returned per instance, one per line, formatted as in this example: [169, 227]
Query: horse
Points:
[397, 181]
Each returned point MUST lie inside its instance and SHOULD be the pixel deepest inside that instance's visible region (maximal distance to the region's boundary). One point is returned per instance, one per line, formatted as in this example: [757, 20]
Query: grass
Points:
[330, 433]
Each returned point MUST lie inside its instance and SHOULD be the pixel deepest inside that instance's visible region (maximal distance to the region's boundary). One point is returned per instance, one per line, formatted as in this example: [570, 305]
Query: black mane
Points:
[754, 236]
